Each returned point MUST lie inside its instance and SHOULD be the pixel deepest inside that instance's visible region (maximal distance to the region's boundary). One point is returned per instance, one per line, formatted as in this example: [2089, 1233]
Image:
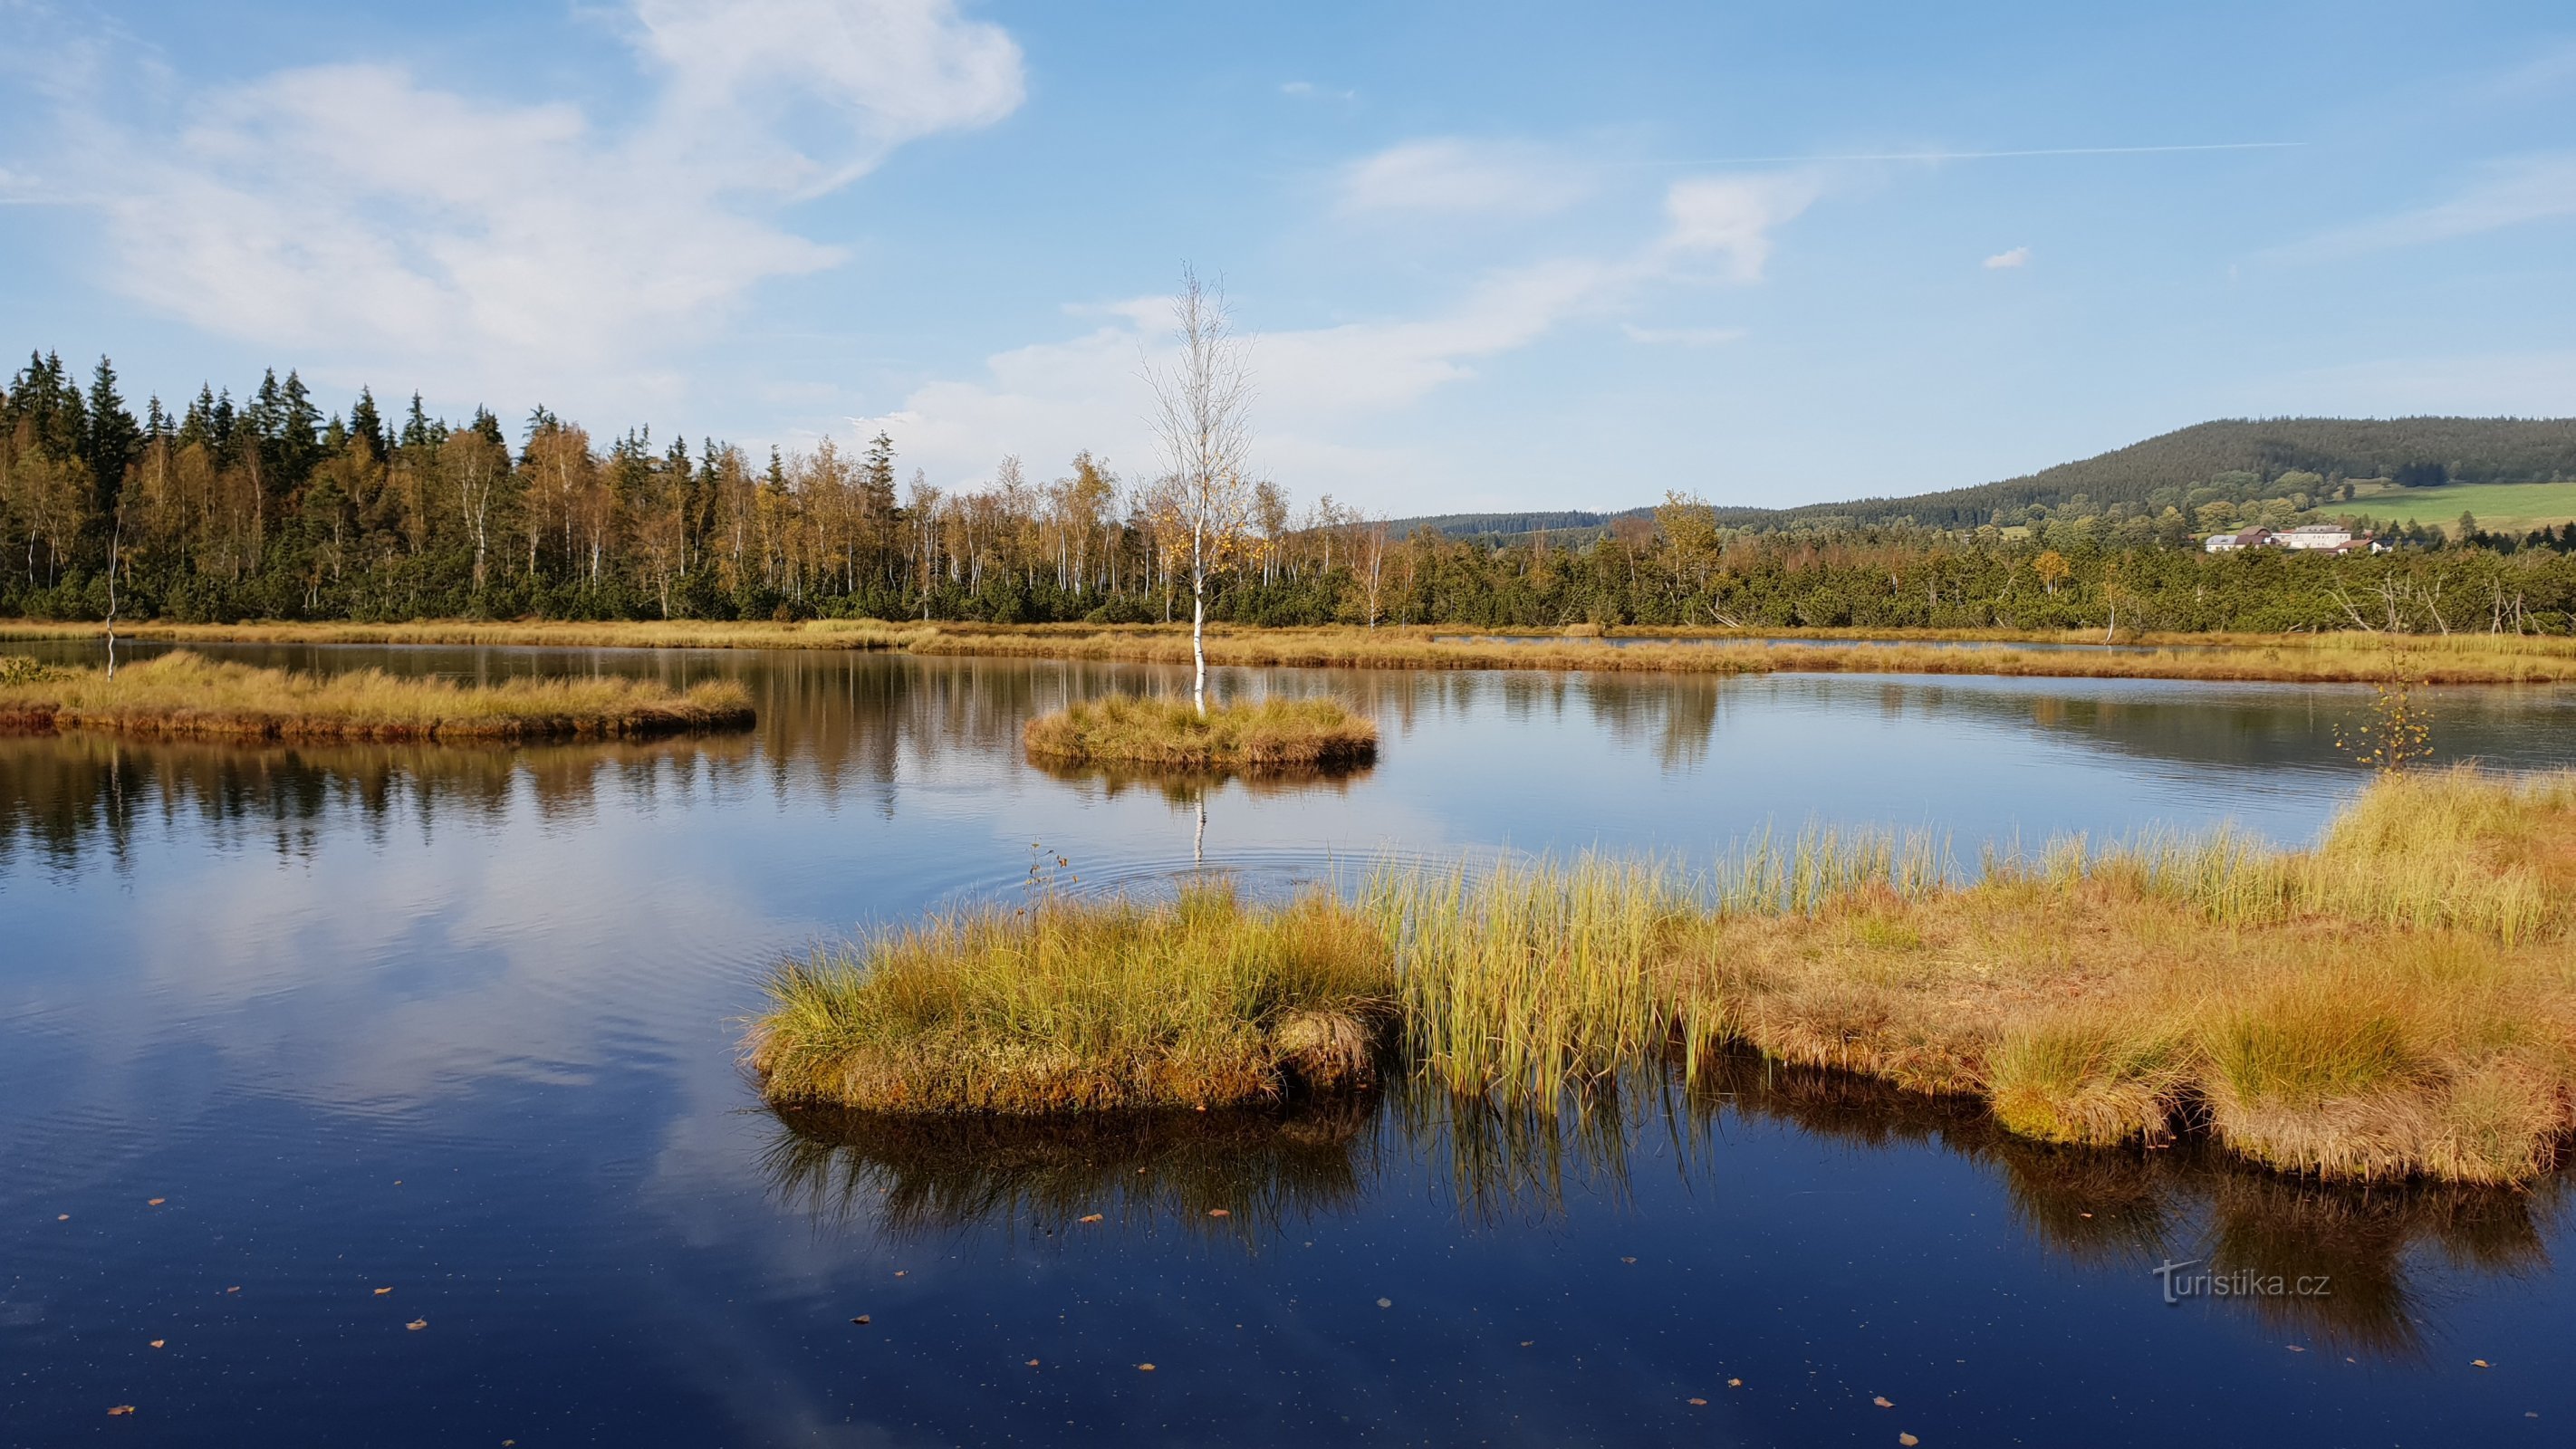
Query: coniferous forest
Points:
[272, 507]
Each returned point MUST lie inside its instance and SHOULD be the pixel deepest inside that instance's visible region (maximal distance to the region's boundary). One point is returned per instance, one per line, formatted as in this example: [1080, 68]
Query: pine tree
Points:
[114, 440]
[363, 422]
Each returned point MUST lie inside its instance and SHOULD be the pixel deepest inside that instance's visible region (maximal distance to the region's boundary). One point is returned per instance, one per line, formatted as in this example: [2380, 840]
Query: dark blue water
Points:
[460, 1024]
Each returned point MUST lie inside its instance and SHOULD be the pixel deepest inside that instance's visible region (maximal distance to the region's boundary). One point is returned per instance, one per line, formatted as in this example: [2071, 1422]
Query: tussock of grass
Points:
[1274, 734]
[2398, 1002]
[184, 694]
[1074, 1005]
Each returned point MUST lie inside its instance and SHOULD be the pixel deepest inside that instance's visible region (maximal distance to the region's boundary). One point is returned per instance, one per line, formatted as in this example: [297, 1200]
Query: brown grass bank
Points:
[183, 694]
[2352, 657]
[2398, 1002]
[1272, 734]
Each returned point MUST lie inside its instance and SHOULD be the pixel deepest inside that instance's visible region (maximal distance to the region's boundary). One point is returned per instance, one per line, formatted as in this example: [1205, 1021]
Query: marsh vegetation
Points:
[2398, 1001]
[1307, 735]
[186, 694]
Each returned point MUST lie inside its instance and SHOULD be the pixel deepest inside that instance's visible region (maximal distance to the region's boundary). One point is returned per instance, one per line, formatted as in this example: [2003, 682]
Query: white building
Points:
[2316, 536]
[2242, 538]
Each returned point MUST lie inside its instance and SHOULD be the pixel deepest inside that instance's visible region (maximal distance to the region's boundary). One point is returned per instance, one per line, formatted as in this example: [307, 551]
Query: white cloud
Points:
[358, 209]
[2504, 194]
[1681, 336]
[1732, 217]
[1454, 177]
[2006, 261]
[1319, 387]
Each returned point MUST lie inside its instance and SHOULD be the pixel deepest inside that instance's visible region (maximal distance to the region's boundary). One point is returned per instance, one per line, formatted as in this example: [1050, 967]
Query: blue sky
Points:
[1488, 255]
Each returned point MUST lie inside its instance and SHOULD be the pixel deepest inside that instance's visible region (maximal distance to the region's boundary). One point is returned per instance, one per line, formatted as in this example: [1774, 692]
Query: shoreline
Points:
[2341, 658]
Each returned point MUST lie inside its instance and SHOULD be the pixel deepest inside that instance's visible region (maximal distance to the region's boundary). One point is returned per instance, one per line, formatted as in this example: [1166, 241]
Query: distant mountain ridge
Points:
[2426, 450]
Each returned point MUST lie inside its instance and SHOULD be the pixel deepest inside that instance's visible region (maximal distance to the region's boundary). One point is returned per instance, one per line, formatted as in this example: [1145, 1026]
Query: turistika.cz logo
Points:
[2238, 1283]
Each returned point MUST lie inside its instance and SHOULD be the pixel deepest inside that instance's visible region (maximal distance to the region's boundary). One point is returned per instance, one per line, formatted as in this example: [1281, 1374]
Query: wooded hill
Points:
[2236, 459]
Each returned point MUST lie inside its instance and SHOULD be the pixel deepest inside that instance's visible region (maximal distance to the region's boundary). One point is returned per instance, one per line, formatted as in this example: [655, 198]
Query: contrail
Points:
[1986, 155]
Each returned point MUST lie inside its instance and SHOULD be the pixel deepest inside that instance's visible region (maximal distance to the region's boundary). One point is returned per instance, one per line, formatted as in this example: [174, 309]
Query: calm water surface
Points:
[459, 1023]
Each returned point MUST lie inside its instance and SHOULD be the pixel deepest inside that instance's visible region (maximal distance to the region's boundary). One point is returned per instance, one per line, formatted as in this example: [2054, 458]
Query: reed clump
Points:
[2397, 1002]
[186, 694]
[1075, 1005]
[1273, 734]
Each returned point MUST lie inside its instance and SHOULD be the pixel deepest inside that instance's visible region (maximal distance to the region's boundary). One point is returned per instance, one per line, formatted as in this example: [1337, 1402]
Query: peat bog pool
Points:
[386, 1095]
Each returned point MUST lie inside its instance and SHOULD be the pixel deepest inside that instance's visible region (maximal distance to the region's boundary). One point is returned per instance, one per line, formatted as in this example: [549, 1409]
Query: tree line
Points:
[271, 508]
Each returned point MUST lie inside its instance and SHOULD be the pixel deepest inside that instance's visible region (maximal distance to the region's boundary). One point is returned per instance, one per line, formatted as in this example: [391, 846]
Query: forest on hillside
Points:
[271, 508]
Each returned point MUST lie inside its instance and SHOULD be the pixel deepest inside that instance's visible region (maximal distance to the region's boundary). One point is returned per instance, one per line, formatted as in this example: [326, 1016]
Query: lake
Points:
[391, 1091]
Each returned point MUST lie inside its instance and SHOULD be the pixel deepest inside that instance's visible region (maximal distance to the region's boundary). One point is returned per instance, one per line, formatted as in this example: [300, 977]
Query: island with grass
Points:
[1270, 735]
[2397, 1002]
[186, 694]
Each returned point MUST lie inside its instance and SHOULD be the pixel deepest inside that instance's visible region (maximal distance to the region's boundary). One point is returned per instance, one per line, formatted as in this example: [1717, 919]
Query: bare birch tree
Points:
[1202, 406]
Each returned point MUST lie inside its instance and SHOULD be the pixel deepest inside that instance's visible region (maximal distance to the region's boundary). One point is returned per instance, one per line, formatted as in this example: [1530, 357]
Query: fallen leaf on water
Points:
[1091, 1217]
[1219, 1213]
[236, 1288]
[1627, 1260]
[62, 1217]
[417, 1324]
[898, 1272]
[1908, 1440]
[1033, 1363]
[1386, 1303]
[862, 1318]
[1526, 1342]
[1882, 1401]
[1144, 1368]
[2480, 1363]
[381, 1292]
[1735, 1383]
[120, 1409]
[155, 1202]
[156, 1343]
[1699, 1403]
[2294, 1348]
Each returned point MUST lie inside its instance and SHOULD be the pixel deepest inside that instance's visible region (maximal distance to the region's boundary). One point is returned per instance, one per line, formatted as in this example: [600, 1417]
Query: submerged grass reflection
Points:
[2380, 1251]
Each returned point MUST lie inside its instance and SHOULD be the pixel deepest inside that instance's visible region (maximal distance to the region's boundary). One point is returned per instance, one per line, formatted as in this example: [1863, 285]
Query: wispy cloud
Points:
[1447, 176]
[1306, 90]
[1732, 218]
[1682, 336]
[344, 208]
[2006, 261]
[1320, 385]
[1938, 154]
[2503, 194]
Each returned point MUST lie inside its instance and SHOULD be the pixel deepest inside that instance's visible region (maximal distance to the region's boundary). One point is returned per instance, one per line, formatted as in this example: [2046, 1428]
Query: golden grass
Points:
[2346, 657]
[1273, 734]
[2399, 1001]
[1085, 1006]
[184, 694]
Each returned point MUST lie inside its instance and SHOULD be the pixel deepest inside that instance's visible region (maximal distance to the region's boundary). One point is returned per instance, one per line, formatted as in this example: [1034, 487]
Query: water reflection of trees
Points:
[62, 796]
[2124, 1212]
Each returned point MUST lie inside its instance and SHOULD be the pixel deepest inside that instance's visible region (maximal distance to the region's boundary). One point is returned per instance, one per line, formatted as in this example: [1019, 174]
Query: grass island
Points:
[187, 694]
[2399, 1001]
[1271, 735]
